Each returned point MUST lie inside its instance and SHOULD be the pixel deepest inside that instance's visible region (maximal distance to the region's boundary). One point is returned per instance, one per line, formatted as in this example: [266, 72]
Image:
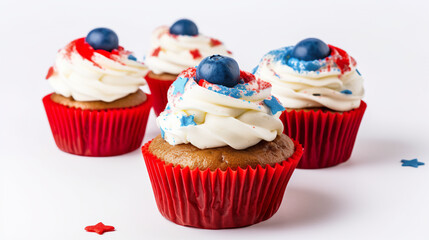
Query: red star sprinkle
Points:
[156, 52]
[99, 228]
[195, 53]
[214, 42]
[50, 72]
[246, 76]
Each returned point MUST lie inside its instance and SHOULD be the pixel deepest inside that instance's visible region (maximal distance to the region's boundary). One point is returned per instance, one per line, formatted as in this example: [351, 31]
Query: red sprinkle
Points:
[214, 42]
[188, 73]
[173, 35]
[195, 53]
[99, 228]
[87, 52]
[246, 76]
[202, 82]
[50, 72]
[155, 52]
[341, 58]
[228, 51]
[263, 85]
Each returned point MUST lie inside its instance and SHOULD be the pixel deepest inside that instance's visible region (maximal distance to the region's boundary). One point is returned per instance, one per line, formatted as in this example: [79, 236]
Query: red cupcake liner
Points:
[158, 89]
[97, 132]
[219, 199]
[328, 138]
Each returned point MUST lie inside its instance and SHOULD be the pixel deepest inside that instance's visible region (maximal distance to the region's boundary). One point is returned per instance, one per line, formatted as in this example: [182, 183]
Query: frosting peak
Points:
[173, 53]
[209, 115]
[95, 75]
[332, 82]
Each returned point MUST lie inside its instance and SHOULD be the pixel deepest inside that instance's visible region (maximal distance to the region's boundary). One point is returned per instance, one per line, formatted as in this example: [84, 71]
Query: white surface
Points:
[47, 194]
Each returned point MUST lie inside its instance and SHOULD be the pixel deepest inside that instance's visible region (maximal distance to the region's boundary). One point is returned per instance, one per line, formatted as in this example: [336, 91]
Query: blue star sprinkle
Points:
[274, 105]
[179, 85]
[346, 91]
[132, 58]
[255, 69]
[411, 163]
[187, 121]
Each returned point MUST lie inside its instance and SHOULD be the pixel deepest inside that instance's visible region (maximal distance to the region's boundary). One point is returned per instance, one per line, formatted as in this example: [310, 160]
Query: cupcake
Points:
[321, 89]
[173, 50]
[97, 108]
[221, 160]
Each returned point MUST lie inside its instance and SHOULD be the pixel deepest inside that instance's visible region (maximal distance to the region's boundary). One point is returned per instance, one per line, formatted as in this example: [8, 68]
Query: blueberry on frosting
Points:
[310, 49]
[103, 39]
[219, 70]
[184, 27]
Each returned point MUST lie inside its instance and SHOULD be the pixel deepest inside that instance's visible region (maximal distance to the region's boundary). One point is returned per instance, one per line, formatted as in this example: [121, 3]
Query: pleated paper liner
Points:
[327, 137]
[158, 89]
[97, 132]
[219, 199]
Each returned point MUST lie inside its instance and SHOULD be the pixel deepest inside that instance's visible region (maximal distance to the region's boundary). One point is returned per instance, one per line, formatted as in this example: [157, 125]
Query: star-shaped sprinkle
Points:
[179, 85]
[214, 42]
[274, 105]
[99, 228]
[195, 53]
[50, 72]
[156, 51]
[187, 120]
[412, 163]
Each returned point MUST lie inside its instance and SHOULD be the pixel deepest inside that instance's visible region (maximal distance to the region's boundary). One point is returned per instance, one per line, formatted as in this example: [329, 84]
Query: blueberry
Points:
[184, 27]
[220, 70]
[310, 49]
[102, 39]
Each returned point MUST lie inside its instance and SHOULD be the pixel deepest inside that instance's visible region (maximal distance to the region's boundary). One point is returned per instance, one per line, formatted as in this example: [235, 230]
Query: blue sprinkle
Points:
[187, 121]
[300, 65]
[346, 91]
[131, 57]
[179, 85]
[274, 105]
[167, 107]
[255, 69]
[237, 91]
[358, 72]
[411, 163]
[162, 133]
[283, 55]
[248, 93]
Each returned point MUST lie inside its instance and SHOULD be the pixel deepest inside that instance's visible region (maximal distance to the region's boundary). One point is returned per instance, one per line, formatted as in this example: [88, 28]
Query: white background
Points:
[47, 194]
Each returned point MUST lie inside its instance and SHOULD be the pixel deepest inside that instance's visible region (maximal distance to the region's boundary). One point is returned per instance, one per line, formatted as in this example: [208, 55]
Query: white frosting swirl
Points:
[212, 116]
[325, 87]
[99, 78]
[175, 53]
